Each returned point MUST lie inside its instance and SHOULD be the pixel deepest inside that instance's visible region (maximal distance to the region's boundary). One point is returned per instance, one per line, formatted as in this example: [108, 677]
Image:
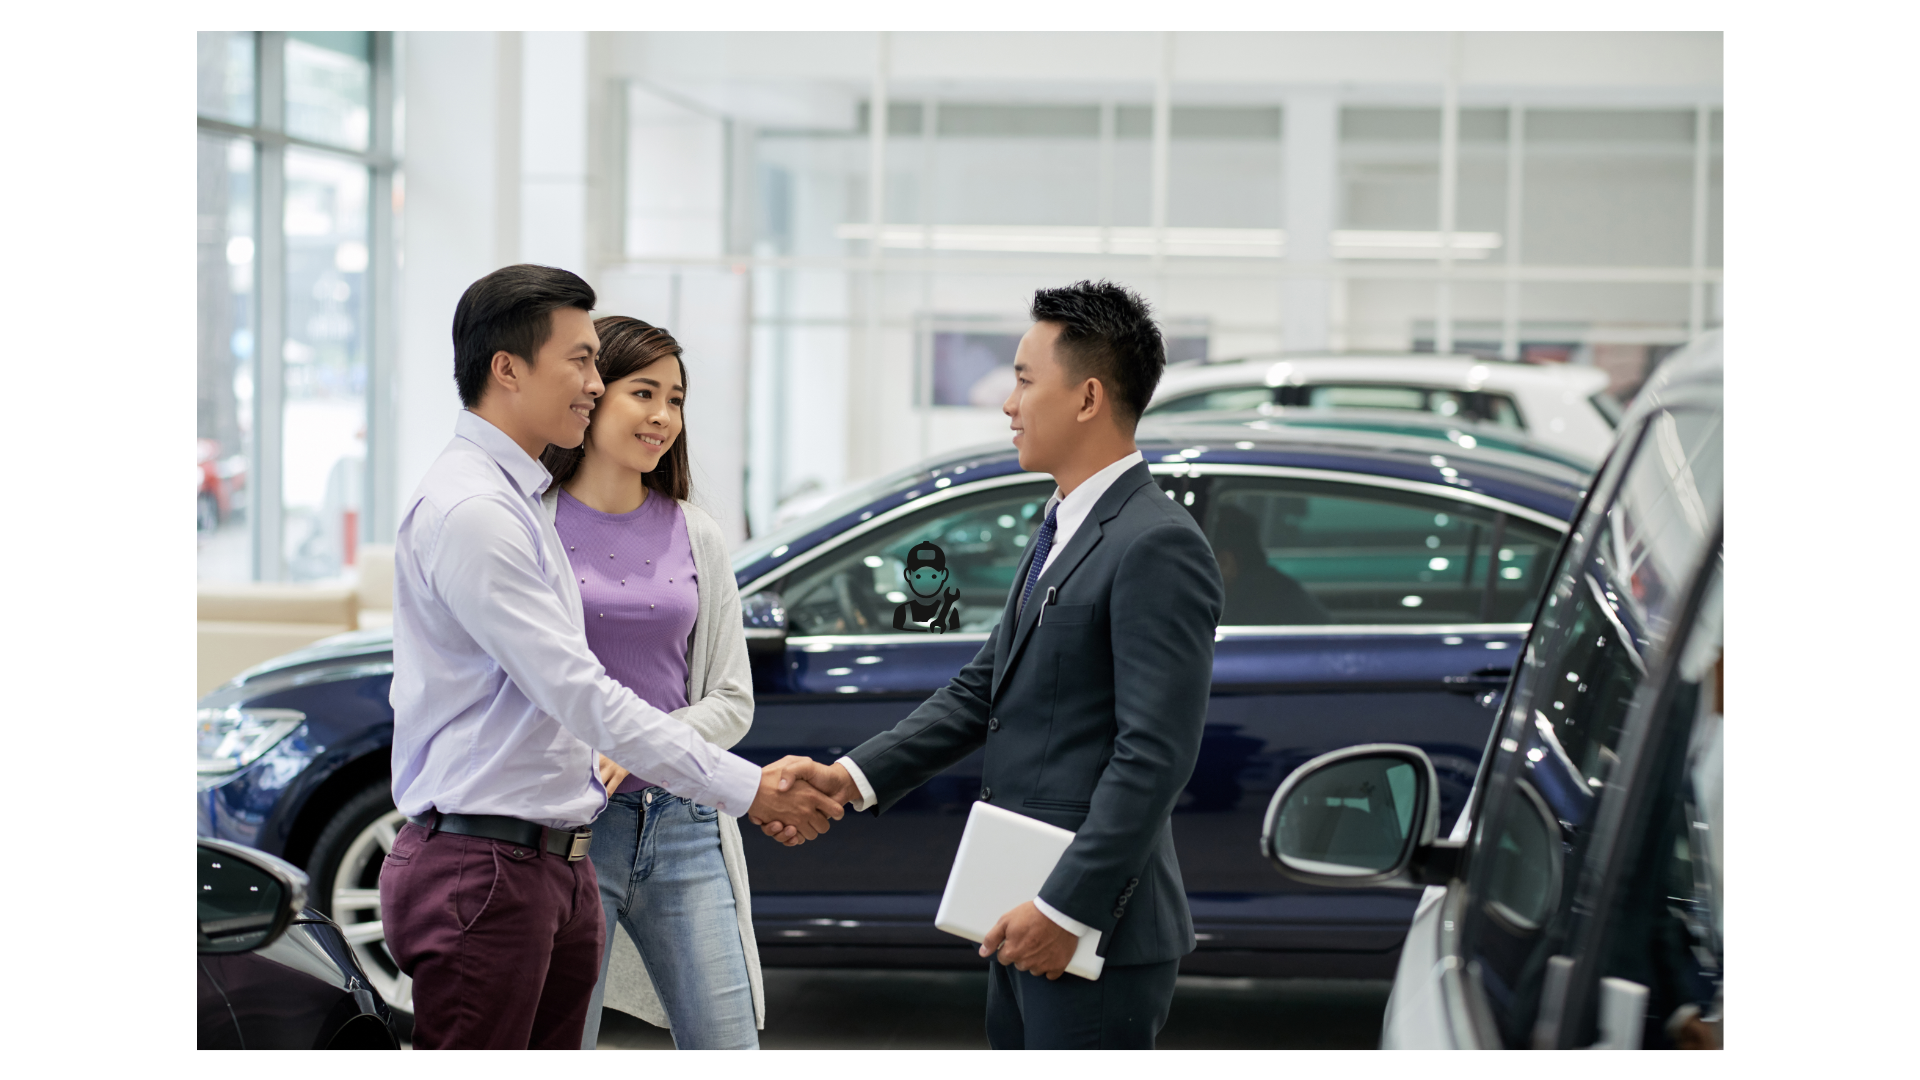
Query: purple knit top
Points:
[638, 588]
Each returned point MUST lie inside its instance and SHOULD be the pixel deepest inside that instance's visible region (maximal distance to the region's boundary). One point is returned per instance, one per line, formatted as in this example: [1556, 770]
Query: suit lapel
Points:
[1083, 542]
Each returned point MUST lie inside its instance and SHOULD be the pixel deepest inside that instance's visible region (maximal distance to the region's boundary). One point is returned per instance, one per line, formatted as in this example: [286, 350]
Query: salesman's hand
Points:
[611, 774]
[1031, 942]
[801, 811]
[831, 780]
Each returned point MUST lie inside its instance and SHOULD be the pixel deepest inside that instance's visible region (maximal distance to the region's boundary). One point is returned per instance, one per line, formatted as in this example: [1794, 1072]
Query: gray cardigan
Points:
[720, 692]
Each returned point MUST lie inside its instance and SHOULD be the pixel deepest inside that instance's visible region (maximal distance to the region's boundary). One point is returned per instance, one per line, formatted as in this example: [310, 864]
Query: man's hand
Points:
[790, 809]
[833, 781]
[1031, 942]
[611, 774]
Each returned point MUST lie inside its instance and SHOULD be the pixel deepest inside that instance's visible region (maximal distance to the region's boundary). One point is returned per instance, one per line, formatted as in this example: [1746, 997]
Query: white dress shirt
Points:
[498, 704]
[1073, 511]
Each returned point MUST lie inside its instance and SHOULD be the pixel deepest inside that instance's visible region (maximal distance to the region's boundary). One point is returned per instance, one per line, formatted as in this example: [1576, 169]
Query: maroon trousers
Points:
[502, 942]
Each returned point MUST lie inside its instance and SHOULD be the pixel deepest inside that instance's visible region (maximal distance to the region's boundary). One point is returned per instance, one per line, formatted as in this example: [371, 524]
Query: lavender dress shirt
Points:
[498, 703]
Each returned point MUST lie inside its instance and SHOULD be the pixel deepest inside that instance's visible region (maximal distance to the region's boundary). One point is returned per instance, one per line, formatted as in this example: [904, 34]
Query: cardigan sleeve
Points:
[724, 709]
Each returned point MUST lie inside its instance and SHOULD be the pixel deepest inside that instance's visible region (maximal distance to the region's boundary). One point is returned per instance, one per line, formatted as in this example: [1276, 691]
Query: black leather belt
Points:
[570, 845]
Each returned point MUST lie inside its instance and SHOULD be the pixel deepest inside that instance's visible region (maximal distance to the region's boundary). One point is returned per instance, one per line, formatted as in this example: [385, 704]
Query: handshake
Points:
[798, 798]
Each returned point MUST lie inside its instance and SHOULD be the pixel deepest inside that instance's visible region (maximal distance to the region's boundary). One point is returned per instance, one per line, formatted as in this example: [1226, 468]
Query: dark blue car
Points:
[1377, 591]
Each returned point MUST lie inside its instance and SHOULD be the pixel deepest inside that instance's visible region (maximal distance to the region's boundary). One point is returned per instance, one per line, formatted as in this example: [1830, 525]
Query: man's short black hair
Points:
[1107, 333]
[926, 553]
[509, 310]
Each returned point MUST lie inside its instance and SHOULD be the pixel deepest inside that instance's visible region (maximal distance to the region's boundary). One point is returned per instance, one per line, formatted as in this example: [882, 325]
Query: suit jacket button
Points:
[1117, 912]
[986, 794]
[1131, 882]
[993, 723]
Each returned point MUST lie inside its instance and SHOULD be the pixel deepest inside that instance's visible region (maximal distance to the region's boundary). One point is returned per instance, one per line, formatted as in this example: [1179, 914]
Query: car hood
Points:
[373, 644]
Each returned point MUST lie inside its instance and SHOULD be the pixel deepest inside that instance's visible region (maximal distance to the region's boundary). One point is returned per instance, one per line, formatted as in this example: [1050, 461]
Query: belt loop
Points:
[433, 817]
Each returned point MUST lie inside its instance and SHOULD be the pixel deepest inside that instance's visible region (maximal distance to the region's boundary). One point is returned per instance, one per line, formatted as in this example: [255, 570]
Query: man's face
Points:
[1044, 402]
[926, 582]
[558, 390]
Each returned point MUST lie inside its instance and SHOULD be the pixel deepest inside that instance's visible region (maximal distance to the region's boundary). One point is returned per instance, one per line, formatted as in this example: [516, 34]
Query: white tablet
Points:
[1003, 860]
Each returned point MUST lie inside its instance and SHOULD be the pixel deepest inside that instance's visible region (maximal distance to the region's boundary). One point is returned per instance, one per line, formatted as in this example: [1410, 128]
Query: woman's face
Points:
[637, 419]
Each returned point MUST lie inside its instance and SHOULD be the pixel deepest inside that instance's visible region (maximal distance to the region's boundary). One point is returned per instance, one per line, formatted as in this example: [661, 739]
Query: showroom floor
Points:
[817, 1009]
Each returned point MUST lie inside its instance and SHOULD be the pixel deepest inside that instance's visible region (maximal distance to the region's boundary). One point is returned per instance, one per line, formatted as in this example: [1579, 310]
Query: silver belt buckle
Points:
[579, 849]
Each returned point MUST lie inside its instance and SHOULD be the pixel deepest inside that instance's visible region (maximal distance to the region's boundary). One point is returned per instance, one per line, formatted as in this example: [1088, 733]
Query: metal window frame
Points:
[266, 446]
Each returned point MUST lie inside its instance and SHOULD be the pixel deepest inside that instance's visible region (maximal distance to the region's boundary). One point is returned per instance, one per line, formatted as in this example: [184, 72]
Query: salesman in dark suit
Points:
[1089, 696]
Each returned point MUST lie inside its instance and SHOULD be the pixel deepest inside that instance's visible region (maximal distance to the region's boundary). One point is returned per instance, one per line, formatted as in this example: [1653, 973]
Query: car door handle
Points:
[1485, 678]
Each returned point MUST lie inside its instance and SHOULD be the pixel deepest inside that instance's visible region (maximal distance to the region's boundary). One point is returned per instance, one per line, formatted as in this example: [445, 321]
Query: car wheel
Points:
[345, 871]
[208, 512]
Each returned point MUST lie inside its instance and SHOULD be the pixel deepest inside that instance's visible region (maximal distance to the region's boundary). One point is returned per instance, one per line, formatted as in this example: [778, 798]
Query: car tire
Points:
[344, 870]
[207, 512]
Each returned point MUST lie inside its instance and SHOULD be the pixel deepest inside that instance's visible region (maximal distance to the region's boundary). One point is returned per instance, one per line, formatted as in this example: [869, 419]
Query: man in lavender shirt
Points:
[488, 901]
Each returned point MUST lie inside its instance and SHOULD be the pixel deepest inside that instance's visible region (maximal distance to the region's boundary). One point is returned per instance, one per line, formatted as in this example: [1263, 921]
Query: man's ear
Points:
[504, 369]
[1093, 395]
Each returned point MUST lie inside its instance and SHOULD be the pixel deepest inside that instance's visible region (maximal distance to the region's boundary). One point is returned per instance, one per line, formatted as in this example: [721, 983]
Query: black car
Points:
[274, 973]
[1578, 900]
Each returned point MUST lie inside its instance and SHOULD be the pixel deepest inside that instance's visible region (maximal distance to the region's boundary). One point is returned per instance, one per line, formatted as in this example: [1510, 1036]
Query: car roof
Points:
[1457, 432]
[1693, 374]
[1536, 484]
[1460, 372]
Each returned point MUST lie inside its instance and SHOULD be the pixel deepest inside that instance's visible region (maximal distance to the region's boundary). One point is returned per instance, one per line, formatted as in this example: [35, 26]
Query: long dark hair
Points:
[626, 346]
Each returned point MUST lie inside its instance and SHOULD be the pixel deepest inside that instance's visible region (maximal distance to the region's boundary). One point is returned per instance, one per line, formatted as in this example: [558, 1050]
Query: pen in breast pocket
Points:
[1052, 591]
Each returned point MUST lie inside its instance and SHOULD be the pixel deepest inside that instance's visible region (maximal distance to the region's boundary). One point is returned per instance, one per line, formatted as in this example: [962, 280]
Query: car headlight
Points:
[233, 738]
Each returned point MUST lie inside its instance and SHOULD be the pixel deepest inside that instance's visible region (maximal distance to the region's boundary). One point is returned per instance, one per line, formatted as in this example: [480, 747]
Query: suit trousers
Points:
[502, 942]
[1124, 1009]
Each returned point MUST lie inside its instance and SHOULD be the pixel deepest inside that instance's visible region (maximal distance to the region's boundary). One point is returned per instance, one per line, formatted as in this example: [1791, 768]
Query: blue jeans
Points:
[662, 877]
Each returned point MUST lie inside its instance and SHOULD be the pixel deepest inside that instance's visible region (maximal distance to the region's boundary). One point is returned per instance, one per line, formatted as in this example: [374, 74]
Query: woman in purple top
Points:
[663, 617]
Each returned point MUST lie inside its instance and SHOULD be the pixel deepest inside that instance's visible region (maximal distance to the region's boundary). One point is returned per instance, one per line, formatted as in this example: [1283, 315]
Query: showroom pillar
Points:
[1311, 137]
[553, 150]
[449, 226]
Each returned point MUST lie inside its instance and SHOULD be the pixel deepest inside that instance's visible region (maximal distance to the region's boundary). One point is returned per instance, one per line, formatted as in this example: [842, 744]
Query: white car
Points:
[1557, 404]
[1579, 899]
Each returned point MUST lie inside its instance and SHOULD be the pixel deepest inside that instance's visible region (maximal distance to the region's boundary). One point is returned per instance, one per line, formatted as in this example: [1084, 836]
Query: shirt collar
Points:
[1080, 503]
[528, 475]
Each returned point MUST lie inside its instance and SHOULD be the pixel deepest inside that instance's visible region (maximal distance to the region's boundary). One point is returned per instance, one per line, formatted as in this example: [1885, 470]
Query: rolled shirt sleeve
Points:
[485, 568]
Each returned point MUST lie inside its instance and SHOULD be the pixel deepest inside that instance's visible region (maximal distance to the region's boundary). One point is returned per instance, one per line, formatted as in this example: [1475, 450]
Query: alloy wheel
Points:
[356, 907]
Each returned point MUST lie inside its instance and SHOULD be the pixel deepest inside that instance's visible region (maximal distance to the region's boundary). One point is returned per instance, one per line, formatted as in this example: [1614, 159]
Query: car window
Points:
[1481, 406]
[1663, 926]
[1603, 623]
[962, 553]
[1232, 399]
[1301, 552]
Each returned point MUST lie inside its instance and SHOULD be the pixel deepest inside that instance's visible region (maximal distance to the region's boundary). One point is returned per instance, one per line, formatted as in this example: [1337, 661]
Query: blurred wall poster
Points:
[973, 369]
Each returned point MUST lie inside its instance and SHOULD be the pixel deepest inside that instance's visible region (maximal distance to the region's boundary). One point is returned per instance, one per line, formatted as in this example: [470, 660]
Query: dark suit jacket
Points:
[1091, 710]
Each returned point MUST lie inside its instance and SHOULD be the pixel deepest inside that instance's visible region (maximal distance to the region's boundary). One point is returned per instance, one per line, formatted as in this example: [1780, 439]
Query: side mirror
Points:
[247, 898]
[1365, 815]
[766, 622]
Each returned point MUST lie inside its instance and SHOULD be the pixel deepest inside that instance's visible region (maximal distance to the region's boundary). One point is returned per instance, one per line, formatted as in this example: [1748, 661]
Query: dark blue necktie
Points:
[1042, 543]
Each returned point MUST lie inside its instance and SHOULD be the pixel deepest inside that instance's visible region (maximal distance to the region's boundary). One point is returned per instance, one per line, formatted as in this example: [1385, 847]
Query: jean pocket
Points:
[702, 813]
[474, 883]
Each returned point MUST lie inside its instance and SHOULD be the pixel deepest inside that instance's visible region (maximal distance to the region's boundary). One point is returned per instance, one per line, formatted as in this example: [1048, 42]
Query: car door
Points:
[847, 673]
[1555, 776]
[1359, 610]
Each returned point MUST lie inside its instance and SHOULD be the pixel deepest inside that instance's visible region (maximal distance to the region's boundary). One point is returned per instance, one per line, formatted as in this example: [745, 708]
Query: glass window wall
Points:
[287, 266]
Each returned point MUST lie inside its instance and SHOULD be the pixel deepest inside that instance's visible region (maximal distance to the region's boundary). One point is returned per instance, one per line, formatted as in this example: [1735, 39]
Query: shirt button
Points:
[986, 794]
[993, 723]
